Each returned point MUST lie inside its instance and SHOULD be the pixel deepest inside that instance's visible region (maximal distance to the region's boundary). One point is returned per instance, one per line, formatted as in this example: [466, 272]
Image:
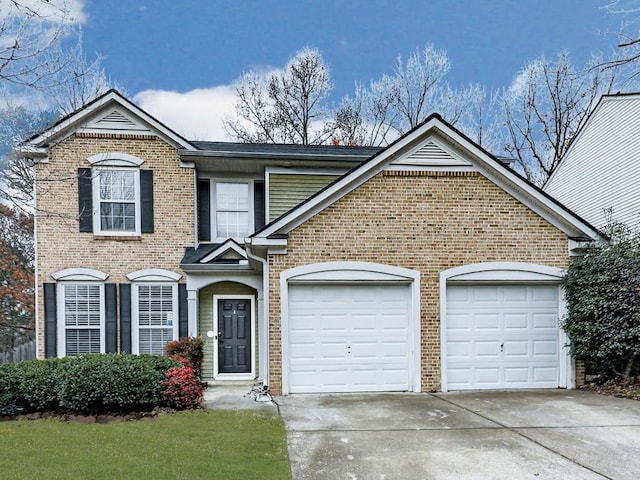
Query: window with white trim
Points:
[155, 317]
[233, 212]
[116, 193]
[82, 326]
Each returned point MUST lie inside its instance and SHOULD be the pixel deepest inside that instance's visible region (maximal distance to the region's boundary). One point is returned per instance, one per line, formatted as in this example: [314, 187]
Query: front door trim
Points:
[234, 376]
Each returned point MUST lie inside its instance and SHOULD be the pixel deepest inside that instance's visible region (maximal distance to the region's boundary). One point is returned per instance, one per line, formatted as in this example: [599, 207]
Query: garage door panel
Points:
[522, 348]
[359, 341]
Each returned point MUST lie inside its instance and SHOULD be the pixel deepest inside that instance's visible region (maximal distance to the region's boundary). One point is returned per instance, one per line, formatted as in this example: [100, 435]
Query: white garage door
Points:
[502, 336]
[348, 338]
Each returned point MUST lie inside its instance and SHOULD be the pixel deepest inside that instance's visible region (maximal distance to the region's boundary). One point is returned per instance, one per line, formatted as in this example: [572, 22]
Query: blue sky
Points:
[177, 59]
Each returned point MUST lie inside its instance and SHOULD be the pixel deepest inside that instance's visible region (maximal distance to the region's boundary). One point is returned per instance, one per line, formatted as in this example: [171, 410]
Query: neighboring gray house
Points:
[601, 169]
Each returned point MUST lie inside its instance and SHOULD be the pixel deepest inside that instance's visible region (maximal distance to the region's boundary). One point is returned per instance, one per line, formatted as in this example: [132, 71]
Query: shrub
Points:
[97, 383]
[602, 291]
[191, 349]
[182, 389]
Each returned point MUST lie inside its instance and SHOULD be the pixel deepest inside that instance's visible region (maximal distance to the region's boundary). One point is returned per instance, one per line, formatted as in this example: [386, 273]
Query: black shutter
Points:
[85, 204]
[258, 205]
[50, 320]
[146, 200]
[183, 311]
[111, 314]
[125, 317]
[204, 210]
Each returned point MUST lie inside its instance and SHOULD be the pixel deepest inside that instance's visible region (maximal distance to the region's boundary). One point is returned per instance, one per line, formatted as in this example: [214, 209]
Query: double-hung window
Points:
[82, 326]
[155, 312]
[117, 194]
[232, 203]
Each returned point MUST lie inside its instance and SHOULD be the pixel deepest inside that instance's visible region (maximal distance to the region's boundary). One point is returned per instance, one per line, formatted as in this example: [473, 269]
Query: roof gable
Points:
[434, 144]
[109, 113]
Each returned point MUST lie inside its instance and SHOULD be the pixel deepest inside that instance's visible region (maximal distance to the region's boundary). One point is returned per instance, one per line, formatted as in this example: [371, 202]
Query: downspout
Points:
[264, 317]
[35, 259]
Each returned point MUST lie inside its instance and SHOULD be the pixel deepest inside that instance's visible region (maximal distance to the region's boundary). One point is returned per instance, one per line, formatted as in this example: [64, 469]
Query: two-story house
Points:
[426, 265]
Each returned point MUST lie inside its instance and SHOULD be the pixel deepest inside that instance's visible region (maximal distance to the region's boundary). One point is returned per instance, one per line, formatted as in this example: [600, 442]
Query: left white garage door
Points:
[348, 338]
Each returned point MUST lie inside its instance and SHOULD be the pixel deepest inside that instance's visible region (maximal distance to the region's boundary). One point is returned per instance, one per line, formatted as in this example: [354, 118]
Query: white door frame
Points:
[359, 273]
[506, 272]
[234, 376]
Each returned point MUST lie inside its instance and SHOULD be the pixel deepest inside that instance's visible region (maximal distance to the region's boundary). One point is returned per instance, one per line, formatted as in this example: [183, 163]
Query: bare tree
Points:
[285, 106]
[544, 108]
[394, 104]
[628, 38]
[29, 29]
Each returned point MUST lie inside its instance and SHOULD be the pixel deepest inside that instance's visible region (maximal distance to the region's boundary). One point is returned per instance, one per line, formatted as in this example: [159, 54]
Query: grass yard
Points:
[186, 445]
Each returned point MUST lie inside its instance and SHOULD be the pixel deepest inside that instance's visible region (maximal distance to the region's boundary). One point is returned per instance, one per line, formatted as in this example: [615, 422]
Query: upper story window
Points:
[117, 191]
[232, 209]
[115, 196]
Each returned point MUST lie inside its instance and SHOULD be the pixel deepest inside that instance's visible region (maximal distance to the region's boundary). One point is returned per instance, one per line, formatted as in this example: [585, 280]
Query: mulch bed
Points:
[612, 388]
[103, 418]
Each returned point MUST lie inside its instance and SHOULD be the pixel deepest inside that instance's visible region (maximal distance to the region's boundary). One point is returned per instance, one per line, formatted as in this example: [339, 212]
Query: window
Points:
[83, 319]
[155, 317]
[117, 194]
[232, 203]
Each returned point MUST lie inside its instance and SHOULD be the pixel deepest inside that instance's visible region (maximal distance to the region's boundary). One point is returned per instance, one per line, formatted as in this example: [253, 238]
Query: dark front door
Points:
[234, 336]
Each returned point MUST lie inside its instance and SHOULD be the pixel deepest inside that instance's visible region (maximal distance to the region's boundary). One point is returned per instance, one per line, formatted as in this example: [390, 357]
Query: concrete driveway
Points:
[550, 434]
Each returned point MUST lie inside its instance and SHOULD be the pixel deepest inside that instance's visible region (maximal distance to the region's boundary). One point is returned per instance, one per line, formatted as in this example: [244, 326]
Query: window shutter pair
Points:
[204, 208]
[51, 319]
[85, 200]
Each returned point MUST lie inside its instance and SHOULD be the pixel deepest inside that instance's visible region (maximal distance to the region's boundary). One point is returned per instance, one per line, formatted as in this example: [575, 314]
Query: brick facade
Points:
[61, 245]
[426, 221]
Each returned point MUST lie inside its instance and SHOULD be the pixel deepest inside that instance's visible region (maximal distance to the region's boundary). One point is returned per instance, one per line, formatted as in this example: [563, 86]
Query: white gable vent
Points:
[430, 154]
[115, 117]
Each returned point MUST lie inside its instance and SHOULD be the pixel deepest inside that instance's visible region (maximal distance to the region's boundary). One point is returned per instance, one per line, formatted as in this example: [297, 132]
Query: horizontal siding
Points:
[288, 190]
[205, 316]
[602, 168]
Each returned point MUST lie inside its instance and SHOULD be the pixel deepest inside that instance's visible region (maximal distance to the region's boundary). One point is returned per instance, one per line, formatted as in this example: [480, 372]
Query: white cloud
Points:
[53, 11]
[196, 114]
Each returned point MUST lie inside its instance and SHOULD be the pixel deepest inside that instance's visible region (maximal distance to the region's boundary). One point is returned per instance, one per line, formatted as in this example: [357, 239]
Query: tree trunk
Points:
[626, 375]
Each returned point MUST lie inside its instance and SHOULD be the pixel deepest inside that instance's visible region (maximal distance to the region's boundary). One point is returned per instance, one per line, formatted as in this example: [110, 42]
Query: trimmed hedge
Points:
[87, 384]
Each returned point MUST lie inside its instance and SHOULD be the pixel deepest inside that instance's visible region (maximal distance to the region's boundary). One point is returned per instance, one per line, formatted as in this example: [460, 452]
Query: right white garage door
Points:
[502, 336]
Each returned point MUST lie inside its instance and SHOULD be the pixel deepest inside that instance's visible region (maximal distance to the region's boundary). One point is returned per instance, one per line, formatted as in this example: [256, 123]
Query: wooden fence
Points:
[26, 351]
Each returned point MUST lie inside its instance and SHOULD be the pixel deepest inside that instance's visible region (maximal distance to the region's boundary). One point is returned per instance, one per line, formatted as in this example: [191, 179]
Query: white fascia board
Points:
[345, 184]
[266, 242]
[225, 247]
[86, 112]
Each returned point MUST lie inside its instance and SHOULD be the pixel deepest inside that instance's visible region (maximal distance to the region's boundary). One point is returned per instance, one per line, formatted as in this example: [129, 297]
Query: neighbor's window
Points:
[156, 317]
[232, 208]
[83, 319]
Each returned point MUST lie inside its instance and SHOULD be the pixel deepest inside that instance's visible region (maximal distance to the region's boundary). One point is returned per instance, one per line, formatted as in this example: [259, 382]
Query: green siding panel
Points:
[286, 190]
[205, 316]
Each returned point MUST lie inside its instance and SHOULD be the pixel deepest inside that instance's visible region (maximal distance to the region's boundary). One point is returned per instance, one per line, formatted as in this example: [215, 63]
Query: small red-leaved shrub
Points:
[181, 389]
[189, 348]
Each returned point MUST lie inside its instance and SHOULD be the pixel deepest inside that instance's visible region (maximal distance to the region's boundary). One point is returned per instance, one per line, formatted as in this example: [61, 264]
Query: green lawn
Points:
[187, 445]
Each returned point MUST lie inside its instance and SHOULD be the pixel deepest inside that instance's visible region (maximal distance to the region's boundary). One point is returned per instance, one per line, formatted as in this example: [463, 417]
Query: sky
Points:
[178, 59]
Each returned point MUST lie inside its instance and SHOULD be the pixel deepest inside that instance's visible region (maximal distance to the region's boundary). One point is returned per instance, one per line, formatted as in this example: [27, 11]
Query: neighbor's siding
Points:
[205, 319]
[426, 221]
[602, 168]
[288, 190]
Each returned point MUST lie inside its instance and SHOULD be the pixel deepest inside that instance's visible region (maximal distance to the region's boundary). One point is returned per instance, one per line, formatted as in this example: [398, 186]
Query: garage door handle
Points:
[502, 347]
